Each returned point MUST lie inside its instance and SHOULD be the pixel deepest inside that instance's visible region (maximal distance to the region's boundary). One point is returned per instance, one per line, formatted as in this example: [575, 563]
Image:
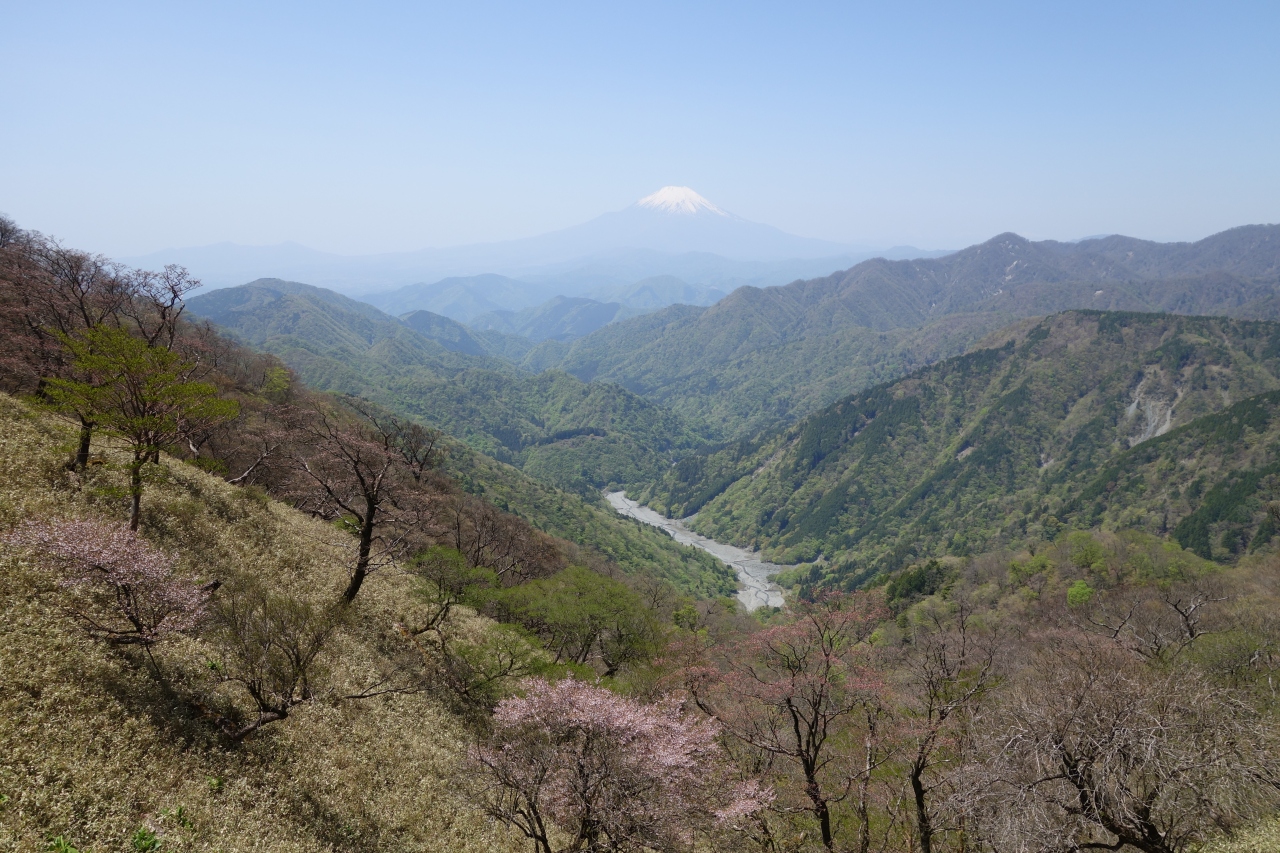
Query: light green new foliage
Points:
[92, 748]
[136, 392]
[1079, 594]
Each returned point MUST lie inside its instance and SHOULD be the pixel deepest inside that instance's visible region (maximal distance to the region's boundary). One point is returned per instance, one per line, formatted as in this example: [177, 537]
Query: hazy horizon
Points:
[397, 127]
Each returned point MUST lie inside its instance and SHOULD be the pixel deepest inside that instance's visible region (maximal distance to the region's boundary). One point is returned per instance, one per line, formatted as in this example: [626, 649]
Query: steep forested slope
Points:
[777, 353]
[560, 430]
[1133, 420]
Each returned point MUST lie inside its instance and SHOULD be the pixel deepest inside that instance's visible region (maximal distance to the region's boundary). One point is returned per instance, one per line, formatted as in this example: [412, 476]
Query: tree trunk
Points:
[135, 490]
[362, 555]
[924, 827]
[864, 788]
[265, 717]
[820, 809]
[824, 822]
[82, 452]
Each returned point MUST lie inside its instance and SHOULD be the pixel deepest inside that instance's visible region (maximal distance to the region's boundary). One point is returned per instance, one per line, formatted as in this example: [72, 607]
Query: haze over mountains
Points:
[705, 402]
[672, 234]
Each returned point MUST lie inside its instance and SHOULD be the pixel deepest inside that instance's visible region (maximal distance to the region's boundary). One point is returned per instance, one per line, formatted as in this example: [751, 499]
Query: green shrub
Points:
[1079, 594]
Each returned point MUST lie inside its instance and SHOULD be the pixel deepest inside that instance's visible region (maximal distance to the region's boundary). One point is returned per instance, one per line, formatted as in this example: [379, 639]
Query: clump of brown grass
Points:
[92, 747]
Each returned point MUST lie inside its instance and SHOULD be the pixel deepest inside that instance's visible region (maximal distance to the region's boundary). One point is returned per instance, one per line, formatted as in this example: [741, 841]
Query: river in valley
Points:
[754, 573]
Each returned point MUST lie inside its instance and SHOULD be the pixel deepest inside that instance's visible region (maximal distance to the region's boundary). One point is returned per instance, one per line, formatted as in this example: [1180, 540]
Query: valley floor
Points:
[754, 574]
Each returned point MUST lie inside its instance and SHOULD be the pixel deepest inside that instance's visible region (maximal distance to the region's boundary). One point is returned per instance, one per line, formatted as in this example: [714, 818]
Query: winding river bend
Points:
[757, 590]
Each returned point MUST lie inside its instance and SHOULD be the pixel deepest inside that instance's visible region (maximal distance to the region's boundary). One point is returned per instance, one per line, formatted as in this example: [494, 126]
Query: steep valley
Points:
[1082, 419]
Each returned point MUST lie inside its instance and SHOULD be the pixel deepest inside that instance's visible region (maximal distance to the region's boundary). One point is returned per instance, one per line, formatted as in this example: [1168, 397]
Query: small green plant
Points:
[60, 844]
[4, 800]
[1079, 594]
[180, 816]
[215, 783]
[145, 841]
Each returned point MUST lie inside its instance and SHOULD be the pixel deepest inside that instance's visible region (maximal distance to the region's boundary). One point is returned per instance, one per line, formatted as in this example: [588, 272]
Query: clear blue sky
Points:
[126, 128]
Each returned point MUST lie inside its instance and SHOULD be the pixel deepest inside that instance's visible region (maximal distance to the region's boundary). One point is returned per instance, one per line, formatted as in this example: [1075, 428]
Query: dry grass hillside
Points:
[93, 748]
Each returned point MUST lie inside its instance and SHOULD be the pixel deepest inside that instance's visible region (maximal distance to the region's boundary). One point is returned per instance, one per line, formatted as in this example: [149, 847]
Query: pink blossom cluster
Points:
[611, 771]
[147, 599]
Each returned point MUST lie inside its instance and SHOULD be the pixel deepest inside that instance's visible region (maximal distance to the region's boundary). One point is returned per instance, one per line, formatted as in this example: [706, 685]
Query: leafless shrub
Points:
[499, 541]
[1093, 749]
[948, 671]
[272, 647]
[1158, 622]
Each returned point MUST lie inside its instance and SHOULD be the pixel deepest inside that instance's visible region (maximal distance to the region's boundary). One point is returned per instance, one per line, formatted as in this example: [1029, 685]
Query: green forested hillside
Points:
[562, 431]
[760, 356]
[735, 373]
[635, 547]
[560, 319]
[1125, 420]
[449, 334]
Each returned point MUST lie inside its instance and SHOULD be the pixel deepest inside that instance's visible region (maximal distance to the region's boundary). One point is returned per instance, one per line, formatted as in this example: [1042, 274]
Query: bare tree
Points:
[1096, 750]
[791, 692]
[949, 667]
[156, 303]
[1158, 623]
[364, 469]
[499, 541]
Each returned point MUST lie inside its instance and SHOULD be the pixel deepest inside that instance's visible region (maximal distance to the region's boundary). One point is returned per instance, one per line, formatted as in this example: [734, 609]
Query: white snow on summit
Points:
[678, 200]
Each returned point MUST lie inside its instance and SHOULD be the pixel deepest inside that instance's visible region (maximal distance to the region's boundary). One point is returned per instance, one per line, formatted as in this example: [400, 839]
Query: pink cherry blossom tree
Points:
[143, 600]
[574, 763]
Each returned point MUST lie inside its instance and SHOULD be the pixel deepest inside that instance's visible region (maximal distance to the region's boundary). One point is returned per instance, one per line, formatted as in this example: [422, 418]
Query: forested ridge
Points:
[1079, 420]
[561, 431]
[764, 356]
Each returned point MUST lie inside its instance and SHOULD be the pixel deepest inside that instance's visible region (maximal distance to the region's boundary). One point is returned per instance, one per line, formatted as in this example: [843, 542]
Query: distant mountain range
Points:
[565, 318]
[558, 429]
[674, 232]
[765, 354]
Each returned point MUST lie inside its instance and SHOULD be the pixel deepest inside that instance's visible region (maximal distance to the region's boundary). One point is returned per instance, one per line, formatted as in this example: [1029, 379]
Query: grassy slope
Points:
[92, 749]
[1007, 443]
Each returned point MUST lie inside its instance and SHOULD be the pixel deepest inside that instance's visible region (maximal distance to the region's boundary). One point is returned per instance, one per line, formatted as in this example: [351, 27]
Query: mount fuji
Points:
[639, 241]
[677, 220]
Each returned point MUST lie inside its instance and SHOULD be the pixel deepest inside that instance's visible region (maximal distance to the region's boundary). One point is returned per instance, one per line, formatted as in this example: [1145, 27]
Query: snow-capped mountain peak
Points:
[678, 200]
